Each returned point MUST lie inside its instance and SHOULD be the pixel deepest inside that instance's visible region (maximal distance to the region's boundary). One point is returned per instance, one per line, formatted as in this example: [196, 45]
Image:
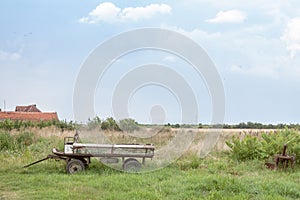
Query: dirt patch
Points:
[9, 195]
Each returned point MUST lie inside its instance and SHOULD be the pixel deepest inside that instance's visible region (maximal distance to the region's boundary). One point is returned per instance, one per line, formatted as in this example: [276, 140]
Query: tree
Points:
[110, 124]
[129, 125]
[94, 123]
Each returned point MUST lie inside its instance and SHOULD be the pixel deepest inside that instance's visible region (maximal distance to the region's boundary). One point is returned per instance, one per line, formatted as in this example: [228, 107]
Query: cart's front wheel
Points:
[74, 166]
[132, 165]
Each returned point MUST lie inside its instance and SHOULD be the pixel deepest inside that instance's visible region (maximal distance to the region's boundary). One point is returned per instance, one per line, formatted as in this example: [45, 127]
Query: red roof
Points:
[30, 108]
[30, 116]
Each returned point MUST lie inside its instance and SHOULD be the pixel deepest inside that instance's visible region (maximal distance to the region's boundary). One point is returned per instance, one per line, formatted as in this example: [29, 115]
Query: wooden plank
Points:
[137, 155]
[122, 146]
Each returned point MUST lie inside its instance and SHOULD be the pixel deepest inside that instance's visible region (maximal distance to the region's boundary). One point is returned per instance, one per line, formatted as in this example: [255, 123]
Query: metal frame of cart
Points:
[78, 155]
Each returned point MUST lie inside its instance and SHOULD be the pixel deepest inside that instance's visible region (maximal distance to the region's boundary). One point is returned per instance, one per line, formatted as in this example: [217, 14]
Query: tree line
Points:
[242, 125]
[130, 125]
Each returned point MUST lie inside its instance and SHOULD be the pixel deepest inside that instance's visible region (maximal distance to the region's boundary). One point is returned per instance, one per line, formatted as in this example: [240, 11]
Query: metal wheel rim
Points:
[75, 167]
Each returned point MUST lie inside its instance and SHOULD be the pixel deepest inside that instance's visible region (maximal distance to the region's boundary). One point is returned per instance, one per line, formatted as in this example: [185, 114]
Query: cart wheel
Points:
[85, 163]
[132, 165]
[74, 166]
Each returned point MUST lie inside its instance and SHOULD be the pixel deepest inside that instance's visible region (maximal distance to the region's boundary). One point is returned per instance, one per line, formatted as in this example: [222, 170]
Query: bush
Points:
[273, 143]
[94, 123]
[8, 125]
[249, 148]
[255, 147]
[25, 139]
[129, 125]
[110, 124]
[7, 142]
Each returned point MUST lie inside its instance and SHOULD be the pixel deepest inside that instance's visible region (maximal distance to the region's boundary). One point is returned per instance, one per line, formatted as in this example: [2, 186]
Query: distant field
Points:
[163, 136]
[160, 138]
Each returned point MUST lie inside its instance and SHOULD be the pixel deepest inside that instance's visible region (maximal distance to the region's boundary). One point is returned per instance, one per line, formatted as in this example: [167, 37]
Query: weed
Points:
[249, 148]
[262, 147]
[7, 142]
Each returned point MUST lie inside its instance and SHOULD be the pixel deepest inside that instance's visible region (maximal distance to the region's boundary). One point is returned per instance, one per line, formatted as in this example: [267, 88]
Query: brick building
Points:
[29, 113]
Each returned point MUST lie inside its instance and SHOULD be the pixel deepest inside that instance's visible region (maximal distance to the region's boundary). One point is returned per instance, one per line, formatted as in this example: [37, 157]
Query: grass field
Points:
[212, 178]
[215, 177]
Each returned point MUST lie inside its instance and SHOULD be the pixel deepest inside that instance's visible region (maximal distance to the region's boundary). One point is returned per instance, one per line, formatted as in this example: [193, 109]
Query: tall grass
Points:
[22, 142]
[16, 142]
[21, 125]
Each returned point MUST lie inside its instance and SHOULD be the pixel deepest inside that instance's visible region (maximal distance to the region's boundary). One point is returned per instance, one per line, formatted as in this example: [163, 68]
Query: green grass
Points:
[211, 178]
[216, 177]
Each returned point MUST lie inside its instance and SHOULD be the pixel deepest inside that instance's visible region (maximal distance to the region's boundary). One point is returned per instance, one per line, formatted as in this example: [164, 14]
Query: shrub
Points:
[255, 147]
[25, 139]
[6, 142]
[8, 125]
[94, 123]
[273, 143]
[129, 125]
[249, 148]
[110, 124]
[64, 125]
[9, 142]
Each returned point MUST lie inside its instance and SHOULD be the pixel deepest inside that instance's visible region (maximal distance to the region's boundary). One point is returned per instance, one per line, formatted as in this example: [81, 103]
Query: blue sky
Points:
[255, 46]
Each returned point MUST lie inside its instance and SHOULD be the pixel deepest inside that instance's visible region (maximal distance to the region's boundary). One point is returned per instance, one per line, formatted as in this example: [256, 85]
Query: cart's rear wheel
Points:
[85, 163]
[74, 166]
[132, 165]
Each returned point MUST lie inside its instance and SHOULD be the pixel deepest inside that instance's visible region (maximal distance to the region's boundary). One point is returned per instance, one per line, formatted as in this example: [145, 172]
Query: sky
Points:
[255, 46]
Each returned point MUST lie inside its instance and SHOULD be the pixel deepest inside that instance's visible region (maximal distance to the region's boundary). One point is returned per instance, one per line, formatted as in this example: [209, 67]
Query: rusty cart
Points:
[78, 155]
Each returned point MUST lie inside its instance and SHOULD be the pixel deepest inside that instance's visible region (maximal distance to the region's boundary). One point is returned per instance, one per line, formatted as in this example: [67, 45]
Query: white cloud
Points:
[105, 12]
[291, 36]
[242, 53]
[230, 16]
[7, 56]
[253, 4]
[108, 12]
[146, 12]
